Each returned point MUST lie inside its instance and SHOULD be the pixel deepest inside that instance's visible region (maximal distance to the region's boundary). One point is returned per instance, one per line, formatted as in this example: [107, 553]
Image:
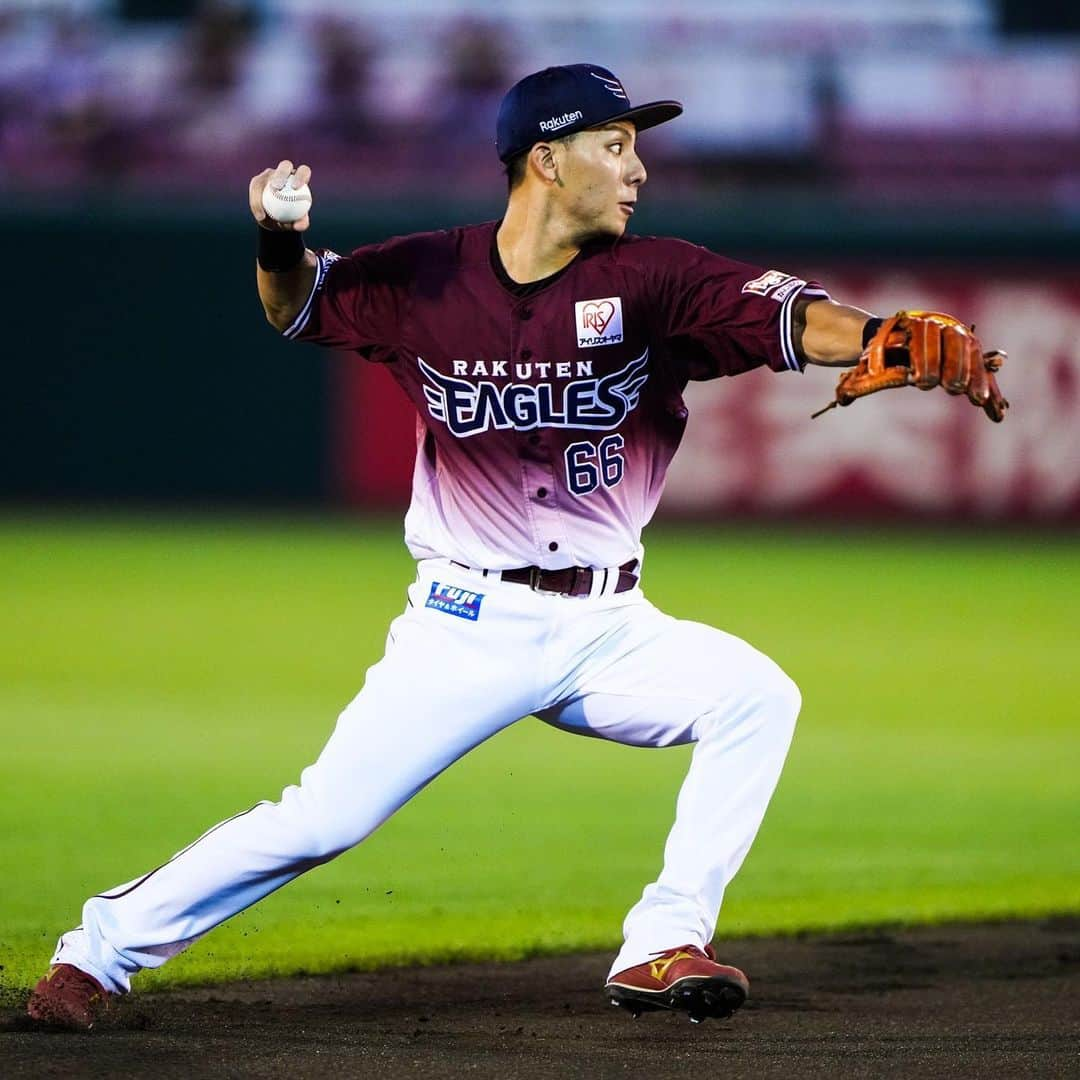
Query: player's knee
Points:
[769, 690]
[326, 827]
[787, 693]
[791, 699]
[334, 833]
[329, 839]
[767, 702]
[783, 700]
[771, 702]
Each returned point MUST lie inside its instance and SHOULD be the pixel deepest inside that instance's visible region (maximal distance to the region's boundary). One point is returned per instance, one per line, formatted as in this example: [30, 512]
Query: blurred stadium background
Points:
[903, 152]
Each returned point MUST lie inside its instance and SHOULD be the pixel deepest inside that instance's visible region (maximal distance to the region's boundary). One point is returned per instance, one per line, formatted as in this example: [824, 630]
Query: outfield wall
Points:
[138, 367]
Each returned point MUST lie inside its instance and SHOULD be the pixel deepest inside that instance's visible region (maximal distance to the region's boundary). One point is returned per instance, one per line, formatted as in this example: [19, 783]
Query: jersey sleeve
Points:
[723, 317]
[355, 301]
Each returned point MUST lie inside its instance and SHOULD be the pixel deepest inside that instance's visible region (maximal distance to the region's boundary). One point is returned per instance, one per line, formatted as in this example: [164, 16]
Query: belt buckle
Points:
[534, 578]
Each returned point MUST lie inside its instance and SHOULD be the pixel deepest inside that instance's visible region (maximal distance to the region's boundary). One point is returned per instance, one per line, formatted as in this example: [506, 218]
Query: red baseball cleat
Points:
[686, 979]
[69, 998]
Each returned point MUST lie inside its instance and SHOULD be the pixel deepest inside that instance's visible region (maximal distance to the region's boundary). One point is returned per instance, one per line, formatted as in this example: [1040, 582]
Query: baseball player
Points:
[546, 355]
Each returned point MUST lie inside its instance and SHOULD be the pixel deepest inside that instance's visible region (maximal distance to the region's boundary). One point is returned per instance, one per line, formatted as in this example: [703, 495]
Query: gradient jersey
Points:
[546, 421]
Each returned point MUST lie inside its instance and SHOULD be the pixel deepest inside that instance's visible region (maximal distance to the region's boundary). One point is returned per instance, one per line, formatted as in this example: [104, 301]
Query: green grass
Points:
[157, 675]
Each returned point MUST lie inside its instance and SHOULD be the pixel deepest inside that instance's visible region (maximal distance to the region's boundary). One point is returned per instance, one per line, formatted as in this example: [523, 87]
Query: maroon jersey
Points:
[546, 421]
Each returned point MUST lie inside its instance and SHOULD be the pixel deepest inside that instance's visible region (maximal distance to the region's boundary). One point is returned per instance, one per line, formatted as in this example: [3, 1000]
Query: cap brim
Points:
[647, 116]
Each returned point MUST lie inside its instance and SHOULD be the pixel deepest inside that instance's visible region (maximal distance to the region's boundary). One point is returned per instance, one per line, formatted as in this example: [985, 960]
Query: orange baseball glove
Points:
[925, 349]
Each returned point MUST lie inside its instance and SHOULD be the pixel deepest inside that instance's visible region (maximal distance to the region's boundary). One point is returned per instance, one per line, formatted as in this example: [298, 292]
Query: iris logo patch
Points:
[454, 601]
[598, 322]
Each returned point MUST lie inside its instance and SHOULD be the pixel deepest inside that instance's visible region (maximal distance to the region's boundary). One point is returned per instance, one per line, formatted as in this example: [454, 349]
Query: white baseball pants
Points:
[610, 666]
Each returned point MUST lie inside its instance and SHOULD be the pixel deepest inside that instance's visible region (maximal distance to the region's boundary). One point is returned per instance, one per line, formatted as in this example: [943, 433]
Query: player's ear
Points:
[542, 161]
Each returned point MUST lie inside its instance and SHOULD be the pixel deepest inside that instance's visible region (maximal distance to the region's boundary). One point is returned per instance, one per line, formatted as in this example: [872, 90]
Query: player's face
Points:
[600, 175]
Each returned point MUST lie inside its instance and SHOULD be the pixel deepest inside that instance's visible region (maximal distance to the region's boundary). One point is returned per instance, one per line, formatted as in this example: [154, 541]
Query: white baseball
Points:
[288, 204]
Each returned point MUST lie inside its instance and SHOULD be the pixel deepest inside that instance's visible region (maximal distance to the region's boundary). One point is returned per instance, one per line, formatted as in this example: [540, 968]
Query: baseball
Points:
[288, 204]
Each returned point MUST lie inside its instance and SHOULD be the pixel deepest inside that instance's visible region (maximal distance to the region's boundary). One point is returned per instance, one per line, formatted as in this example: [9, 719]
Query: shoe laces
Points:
[708, 951]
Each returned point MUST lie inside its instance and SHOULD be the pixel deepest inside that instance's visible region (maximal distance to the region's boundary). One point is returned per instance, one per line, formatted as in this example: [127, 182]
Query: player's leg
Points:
[444, 685]
[651, 680]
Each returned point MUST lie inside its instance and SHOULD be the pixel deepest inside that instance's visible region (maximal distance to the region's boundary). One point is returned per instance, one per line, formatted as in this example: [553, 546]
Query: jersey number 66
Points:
[589, 465]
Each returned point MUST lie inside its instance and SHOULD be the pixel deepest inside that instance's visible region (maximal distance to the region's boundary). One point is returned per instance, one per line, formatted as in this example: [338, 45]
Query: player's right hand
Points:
[276, 179]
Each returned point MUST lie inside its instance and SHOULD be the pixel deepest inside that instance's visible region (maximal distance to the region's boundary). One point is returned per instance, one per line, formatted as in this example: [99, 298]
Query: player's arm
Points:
[285, 269]
[828, 333]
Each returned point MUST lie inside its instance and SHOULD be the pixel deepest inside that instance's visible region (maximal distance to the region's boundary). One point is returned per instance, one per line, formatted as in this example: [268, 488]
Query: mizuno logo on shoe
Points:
[659, 968]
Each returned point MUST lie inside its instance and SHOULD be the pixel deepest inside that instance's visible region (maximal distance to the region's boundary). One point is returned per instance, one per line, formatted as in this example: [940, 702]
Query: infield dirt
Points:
[956, 1001]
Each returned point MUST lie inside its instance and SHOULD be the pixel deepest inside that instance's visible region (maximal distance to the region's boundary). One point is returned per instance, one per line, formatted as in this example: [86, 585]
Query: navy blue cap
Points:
[561, 100]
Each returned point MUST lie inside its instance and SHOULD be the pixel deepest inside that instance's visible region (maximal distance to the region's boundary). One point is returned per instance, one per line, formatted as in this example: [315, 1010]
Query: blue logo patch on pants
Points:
[454, 601]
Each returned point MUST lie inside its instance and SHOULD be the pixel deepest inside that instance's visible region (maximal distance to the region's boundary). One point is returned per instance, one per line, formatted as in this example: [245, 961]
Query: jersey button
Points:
[534, 440]
[553, 546]
[525, 313]
[541, 493]
[526, 354]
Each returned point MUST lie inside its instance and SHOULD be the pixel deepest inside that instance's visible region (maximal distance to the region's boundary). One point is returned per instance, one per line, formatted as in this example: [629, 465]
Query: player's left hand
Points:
[926, 349]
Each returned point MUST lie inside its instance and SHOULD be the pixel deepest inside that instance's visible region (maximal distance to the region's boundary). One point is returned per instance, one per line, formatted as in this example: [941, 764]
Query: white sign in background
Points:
[751, 444]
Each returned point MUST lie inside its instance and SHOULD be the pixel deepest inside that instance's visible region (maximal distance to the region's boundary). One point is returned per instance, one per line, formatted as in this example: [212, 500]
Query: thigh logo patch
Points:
[454, 601]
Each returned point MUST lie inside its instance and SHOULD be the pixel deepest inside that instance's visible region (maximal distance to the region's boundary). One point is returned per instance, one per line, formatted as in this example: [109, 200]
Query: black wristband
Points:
[279, 250]
[871, 327]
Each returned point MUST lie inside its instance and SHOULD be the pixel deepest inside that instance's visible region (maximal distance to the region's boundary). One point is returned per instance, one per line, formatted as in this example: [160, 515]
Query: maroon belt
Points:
[573, 581]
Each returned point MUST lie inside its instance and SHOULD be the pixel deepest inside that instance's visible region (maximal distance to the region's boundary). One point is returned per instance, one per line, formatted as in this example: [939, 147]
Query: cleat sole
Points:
[705, 998]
